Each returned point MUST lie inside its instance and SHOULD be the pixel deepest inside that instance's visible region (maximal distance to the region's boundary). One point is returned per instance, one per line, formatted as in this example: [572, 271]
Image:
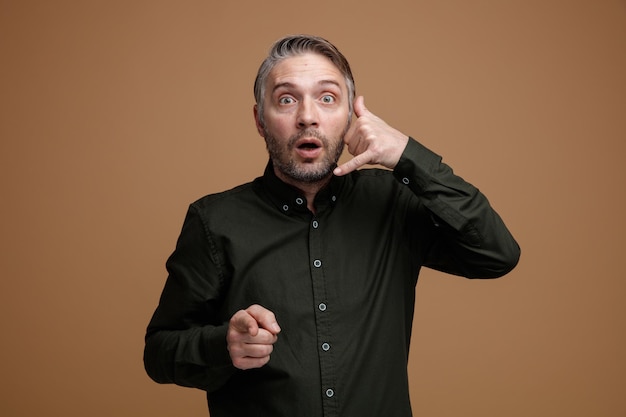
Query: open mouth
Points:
[308, 145]
[309, 148]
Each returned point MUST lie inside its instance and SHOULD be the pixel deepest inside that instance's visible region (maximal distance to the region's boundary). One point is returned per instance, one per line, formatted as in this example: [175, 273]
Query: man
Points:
[293, 295]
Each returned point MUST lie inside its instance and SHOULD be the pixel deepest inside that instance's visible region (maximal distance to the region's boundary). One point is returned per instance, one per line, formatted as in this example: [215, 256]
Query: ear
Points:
[257, 120]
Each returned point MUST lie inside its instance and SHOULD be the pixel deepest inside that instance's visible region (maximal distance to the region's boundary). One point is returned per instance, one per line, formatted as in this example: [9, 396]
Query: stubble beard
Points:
[305, 172]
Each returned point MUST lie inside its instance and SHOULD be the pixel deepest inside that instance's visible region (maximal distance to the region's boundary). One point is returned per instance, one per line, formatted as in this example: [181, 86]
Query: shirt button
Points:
[325, 347]
[405, 180]
[330, 392]
[334, 198]
[299, 201]
[317, 263]
[315, 224]
[285, 207]
[322, 307]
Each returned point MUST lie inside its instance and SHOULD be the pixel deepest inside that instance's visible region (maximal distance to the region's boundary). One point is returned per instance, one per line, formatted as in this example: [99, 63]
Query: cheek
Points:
[340, 124]
[278, 129]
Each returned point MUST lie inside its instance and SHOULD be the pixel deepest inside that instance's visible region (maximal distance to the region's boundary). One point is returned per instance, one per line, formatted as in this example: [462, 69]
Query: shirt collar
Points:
[289, 199]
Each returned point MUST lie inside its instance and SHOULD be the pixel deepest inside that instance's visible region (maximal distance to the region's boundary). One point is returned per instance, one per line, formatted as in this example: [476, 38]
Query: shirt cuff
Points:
[416, 166]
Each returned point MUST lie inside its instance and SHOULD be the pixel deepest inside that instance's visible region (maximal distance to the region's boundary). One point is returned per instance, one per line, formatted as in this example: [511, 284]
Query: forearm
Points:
[195, 357]
[469, 237]
[185, 341]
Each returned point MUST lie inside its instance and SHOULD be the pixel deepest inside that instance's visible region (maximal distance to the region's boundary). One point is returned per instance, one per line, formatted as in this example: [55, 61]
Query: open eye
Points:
[328, 99]
[286, 100]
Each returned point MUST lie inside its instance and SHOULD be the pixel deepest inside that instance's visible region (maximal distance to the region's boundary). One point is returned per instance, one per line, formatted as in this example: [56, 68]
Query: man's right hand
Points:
[251, 335]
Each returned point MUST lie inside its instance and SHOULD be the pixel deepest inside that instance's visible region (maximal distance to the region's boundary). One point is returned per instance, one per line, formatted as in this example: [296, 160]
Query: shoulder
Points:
[225, 199]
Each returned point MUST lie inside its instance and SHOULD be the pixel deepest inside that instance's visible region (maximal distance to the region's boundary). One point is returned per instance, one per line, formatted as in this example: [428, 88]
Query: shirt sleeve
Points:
[468, 238]
[185, 341]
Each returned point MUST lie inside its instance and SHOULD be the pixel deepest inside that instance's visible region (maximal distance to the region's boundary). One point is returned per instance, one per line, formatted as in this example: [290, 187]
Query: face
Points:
[306, 116]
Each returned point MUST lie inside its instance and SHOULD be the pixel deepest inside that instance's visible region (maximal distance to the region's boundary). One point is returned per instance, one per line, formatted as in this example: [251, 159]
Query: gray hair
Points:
[294, 45]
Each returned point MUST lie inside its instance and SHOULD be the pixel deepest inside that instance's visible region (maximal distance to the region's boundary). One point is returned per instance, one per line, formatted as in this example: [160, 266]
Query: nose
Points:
[307, 114]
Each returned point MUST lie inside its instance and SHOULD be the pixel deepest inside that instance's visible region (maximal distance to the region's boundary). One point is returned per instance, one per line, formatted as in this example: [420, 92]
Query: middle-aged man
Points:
[293, 295]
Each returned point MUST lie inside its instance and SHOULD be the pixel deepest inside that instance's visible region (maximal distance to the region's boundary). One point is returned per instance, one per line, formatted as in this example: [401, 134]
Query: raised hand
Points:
[251, 335]
[371, 141]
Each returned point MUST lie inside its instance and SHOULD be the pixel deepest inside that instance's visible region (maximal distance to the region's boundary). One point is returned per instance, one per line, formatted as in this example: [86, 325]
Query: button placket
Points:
[323, 319]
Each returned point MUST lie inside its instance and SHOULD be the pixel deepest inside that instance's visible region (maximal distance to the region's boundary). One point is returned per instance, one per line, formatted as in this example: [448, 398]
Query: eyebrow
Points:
[287, 84]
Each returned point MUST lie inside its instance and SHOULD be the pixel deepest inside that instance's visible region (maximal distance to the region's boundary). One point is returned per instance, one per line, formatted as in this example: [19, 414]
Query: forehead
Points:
[304, 70]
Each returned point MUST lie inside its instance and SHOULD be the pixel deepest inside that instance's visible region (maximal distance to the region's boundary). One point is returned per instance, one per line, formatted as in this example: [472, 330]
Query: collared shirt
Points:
[341, 283]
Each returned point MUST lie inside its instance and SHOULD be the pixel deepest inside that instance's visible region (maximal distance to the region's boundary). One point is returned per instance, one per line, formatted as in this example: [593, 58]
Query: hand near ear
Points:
[371, 141]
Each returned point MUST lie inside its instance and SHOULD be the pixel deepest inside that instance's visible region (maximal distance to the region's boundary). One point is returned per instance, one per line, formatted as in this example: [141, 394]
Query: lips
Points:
[309, 148]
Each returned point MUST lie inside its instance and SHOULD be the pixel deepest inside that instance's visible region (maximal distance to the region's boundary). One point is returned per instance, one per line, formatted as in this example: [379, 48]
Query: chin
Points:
[312, 175]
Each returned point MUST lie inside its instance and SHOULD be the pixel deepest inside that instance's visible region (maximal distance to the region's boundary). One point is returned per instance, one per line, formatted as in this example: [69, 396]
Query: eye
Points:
[286, 100]
[328, 99]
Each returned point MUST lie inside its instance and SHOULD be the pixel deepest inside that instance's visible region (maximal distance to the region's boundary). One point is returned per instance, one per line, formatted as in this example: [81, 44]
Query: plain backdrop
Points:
[115, 115]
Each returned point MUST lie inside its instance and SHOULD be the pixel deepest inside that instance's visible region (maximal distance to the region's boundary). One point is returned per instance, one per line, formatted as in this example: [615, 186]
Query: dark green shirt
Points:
[341, 284]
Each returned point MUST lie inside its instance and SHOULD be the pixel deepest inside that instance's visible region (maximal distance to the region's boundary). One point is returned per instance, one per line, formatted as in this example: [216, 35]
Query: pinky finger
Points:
[353, 164]
[248, 362]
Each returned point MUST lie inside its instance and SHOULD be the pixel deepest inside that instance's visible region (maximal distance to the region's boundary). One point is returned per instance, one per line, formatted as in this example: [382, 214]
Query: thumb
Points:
[264, 318]
[359, 106]
[243, 322]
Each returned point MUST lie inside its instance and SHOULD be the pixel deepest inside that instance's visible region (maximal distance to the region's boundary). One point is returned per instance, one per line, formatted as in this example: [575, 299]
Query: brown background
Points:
[115, 115]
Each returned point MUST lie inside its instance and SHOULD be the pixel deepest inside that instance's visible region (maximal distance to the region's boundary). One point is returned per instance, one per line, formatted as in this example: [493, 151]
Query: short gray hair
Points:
[294, 45]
